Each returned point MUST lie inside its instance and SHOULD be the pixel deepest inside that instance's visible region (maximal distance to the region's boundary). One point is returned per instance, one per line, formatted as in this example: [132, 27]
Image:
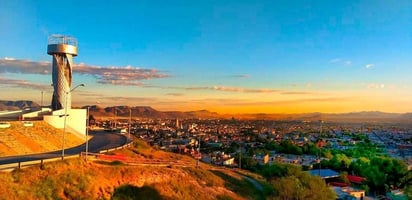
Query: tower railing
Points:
[62, 39]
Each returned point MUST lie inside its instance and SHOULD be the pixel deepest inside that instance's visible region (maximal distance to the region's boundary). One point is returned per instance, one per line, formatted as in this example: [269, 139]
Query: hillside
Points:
[76, 179]
[41, 137]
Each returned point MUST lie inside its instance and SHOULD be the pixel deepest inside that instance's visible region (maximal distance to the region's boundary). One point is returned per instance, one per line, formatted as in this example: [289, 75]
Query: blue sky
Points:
[224, 56]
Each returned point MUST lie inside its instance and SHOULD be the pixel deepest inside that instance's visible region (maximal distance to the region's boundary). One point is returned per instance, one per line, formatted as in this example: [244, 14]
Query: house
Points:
[228, 161]
[357, 193]
[261, 159]
[349, 193]
[356, 179]
[324, 173]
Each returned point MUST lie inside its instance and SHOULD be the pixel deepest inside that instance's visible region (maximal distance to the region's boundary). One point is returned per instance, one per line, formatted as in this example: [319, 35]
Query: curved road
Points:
[100, 141]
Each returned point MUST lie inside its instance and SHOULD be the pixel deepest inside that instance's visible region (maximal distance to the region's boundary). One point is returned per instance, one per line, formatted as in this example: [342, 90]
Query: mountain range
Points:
[17, 105]
[149, 112]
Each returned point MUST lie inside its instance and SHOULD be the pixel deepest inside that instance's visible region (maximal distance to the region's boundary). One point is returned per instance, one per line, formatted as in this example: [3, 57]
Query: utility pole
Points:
[130, 121]
[320, 146]
[41, 101]
[87, 131]
[198, 154]
[115, 122]
[240, 155]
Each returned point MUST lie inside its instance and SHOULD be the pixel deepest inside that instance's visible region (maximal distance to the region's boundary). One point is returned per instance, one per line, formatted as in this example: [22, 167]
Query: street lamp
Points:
[87, 131]
[65, 117]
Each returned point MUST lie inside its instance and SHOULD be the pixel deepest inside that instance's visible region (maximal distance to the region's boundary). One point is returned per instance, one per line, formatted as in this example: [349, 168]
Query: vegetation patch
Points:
[77, 179]
[240, 186]
[131, 192]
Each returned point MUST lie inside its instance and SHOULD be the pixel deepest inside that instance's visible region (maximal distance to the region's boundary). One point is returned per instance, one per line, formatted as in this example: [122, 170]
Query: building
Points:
[261, 159]
[63, 49]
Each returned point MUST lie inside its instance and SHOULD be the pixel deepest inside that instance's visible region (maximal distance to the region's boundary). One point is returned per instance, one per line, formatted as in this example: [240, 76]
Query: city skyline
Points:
[226, 57]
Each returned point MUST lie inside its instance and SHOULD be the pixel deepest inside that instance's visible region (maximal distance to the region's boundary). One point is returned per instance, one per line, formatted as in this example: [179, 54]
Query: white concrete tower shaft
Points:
[63, 49]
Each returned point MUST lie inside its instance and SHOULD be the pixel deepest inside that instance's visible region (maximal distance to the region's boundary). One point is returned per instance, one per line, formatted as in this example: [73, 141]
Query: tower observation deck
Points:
[63, 49]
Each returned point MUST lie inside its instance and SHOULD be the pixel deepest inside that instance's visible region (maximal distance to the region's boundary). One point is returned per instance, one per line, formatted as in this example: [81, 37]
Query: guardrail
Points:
[117, 148]
[24, 164]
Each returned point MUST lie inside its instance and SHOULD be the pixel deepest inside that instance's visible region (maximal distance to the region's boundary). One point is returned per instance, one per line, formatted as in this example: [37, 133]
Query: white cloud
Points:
[245, 90]
[335, 60]
[376, 86]
[219, 88]
[175, 94]
[340, 61]
[115, 75]
[296, 93]
[23, 84]
[369, 66]
[242, 76]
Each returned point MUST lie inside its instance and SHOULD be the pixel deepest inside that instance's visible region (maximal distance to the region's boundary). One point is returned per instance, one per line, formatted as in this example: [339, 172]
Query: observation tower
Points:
[63, 49]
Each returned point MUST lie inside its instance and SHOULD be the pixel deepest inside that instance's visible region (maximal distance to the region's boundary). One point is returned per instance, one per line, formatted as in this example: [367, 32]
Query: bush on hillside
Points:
[131, 192]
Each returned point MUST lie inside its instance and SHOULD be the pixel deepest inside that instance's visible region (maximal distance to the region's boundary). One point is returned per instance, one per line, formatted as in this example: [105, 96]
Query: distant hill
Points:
[17, 105]
[193, 114]
[366, 116]
[149, 112]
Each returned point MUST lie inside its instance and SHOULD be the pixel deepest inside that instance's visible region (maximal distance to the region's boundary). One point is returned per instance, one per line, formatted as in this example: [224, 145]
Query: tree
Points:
[326, 153]
[408, 191]
[397, 173]
[248, 163]
[358, 165]
[312, 149]
[288, 147]
[272, 171]
[339, 162]
[272, 146]
[343, 177]
[382, 173]
[375, 179]
[296, 184]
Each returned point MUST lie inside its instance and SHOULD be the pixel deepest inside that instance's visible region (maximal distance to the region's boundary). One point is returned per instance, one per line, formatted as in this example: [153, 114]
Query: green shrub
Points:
[223, 197]
[131, 192]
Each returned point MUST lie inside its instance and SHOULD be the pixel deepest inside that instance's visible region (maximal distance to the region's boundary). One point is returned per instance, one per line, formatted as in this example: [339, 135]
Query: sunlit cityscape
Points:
[206, 100]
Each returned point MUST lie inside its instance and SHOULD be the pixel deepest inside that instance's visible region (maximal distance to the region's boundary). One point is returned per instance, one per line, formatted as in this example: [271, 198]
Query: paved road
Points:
[100, 141]
[254, 182]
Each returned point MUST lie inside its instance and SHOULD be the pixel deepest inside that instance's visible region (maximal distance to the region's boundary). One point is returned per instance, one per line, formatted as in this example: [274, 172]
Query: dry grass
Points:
[20, 140]
[76, 179]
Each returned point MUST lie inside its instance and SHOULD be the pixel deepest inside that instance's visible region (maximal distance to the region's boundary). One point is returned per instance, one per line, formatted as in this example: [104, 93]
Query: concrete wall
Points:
[36, 113]
[75, 121]
[54, 119]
